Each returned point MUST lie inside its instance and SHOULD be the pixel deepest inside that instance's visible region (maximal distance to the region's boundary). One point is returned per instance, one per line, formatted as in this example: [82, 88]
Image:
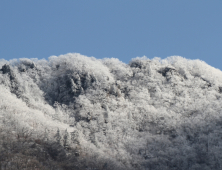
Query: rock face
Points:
[77, 112]
[68, 87]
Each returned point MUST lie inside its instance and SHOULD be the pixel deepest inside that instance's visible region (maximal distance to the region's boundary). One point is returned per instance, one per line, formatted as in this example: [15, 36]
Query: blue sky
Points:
[121, 29]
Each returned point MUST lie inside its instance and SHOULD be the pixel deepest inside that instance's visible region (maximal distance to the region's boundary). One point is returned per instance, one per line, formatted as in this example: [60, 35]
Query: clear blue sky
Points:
[122, 29]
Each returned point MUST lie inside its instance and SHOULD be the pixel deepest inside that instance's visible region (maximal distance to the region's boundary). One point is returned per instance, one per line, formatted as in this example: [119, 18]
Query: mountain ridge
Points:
[87, 113]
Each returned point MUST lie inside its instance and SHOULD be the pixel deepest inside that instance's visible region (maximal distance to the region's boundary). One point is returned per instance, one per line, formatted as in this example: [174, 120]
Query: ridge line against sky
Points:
[118, 29]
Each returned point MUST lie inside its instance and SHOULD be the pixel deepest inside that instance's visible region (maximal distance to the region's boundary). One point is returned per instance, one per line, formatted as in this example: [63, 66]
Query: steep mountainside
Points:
[77, 112]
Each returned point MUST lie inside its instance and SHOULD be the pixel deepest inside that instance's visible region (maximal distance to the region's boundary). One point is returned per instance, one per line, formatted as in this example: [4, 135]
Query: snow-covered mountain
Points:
[77, 112]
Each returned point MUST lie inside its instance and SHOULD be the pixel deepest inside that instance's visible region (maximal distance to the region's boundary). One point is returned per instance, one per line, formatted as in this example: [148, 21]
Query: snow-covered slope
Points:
[78, 112]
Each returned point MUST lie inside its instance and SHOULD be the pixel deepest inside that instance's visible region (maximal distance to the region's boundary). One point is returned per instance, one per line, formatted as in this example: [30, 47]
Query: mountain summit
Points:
[75, 112]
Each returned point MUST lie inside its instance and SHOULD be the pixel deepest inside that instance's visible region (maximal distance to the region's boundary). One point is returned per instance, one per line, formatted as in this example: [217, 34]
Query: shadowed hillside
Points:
[75, 112]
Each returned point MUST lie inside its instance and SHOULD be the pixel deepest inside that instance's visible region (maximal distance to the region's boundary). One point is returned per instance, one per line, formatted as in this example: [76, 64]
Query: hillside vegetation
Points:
[74, 112]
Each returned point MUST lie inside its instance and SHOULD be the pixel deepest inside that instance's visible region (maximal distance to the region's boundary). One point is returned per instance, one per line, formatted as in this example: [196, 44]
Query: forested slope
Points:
[77, 112]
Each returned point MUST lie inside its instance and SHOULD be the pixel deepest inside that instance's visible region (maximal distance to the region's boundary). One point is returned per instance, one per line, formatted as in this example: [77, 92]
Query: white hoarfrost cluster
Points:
[88, 113]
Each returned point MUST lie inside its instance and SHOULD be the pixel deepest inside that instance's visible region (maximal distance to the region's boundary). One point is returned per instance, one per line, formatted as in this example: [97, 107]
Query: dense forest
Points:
[74, 112]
